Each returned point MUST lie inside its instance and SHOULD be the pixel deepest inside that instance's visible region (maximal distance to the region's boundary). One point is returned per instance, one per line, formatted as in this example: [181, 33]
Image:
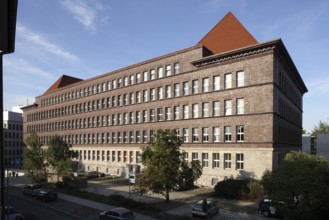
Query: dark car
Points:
[204, 208]
[47, 195]
[95, 174]
[117, 214]
[31, 189]
[268, 207]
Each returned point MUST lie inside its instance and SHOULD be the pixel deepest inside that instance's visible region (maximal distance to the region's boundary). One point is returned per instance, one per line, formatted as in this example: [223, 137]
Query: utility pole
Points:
[8, 14]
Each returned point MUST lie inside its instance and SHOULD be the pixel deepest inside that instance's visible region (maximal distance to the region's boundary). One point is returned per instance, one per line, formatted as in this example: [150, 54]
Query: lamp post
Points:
[8, 13]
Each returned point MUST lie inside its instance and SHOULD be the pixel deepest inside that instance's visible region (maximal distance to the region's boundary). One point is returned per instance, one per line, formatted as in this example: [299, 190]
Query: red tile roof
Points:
[64, 80]
[228, 34]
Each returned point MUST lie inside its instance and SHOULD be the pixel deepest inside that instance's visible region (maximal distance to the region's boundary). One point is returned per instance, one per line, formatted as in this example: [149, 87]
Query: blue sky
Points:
[86, 38]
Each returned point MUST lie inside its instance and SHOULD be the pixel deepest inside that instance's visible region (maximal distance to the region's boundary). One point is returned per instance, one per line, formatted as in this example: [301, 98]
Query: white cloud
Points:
[85, 14]
[318, 88]
[21, 66]
[46, 46]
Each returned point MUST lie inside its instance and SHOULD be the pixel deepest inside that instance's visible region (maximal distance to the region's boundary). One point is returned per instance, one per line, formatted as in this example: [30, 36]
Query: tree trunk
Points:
[167, 195]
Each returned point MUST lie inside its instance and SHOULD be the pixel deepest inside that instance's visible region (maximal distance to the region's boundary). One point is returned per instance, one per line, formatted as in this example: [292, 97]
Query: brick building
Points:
[235, 102]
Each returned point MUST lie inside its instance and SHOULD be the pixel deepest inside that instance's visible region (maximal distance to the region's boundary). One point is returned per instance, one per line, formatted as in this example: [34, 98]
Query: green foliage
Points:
[302, 175]
[189, 172]
[232, 189]
[59, 156]
[322, 128]
[161, 159]
[33, 161]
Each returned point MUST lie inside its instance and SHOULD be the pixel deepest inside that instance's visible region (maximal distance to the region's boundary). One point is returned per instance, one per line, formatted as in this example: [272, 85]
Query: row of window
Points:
[15, 135]
[10, 126]
[143, 96]
[196, 110]
[287, 112]
[132, 79]
[13, 143]
[190, 135]
[135, 157]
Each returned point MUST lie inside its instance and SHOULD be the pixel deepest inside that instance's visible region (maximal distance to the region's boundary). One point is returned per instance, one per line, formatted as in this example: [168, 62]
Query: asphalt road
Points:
[33, 209]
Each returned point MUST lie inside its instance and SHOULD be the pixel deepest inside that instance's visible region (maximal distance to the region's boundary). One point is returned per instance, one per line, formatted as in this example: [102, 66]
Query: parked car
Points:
[268, 207]
[117, 214]
[80, 174]
[95, 174]
[200, 209]
[47, 195]
[11, 214]
[31, 189]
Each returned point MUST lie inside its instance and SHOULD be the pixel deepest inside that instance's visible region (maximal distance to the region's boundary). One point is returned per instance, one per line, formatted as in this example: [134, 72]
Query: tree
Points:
[322, 128]
[301, 181]
[189, 173]
[59, 156]
[33, 161]
[161, 159]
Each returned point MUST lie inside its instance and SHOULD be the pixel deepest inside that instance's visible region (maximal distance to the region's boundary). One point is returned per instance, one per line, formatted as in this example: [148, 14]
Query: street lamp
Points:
[8, 14]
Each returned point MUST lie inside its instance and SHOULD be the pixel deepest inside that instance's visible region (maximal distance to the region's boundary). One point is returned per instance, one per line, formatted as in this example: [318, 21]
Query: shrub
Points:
[239, 189]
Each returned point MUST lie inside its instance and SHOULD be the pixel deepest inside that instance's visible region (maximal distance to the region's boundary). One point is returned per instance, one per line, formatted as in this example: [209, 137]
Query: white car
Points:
[199, 209]
[117, 214]
[12, 214]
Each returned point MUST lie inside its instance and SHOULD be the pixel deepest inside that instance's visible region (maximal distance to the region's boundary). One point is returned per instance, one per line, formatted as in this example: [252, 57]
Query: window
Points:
[125, 81]
[204, 159]
[176, 90]
[216, 134]
[228, 107]
[216, 108]
[185, 109]
[132, 98]
[195, 134]
[131, 117]
[215, 160]
[186, 88]
[152, 74]
[144, 95]
[227, 161]
[195, 113]
[168, 70]
[152, 115]
[240, 133]
[131, 135]
[138, 117]
[114, 84]
[185, 157]
[205, 85]
[185, 135]
[160, 118]
[228, 81]
[145, 76]
[144, 115]
[176, 112]
[194, 156]
[240, 106]
[160, 93]
[152, 94]
[131, 79]
[239, 161]
[119, 82]
[138, 97]
[205, 109]
[125, 99]
[160, 72]
[138, 77]
[119, 137]
[205, 134]
[168, 92]
[138, 137]
[144, 136]
[176, 68]
[216, 81]
[195, 84]
[240, 79]
[228, 134]
[167, 109]
[125, 118]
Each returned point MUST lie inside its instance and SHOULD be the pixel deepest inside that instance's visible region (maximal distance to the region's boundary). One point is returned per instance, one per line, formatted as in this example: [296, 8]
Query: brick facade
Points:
[258, 121]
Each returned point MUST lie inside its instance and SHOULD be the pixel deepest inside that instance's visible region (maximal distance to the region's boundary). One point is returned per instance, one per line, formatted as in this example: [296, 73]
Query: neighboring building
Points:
[236, 103]
[13, 138]
[318, 145]
[309, 144]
